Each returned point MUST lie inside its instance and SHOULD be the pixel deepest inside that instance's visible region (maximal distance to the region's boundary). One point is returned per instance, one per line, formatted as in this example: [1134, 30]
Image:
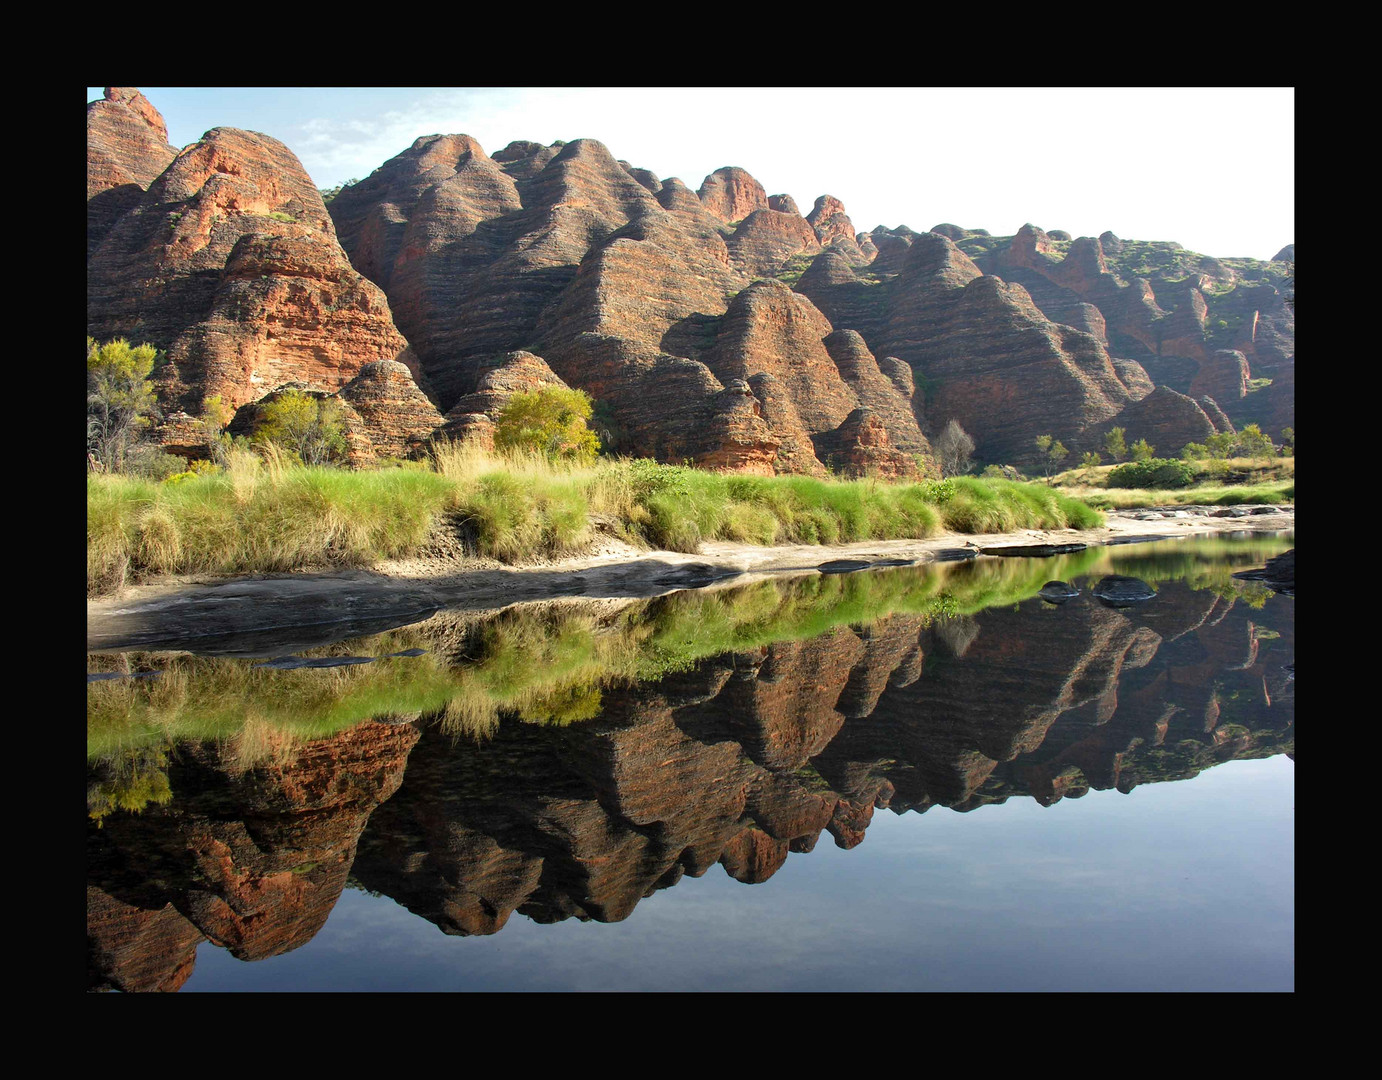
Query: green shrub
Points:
[1153, 473]
[550, 421]
[303, 425]
[120, 401]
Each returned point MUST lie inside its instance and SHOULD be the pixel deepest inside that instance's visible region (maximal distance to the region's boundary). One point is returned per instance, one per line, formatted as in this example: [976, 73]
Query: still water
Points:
[908, 779]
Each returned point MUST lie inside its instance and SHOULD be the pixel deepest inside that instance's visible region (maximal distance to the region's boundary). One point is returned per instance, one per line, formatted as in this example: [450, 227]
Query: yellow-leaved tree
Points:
[306, 426]
[119, 399]
[550, 421]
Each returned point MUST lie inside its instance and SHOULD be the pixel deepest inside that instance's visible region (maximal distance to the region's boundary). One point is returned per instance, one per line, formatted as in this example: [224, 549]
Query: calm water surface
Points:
[908, 779]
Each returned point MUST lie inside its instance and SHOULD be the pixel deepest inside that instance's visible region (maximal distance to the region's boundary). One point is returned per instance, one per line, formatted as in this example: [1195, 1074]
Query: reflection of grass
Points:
[551, 665]
[129, 782]
[543, 665]
[1202, 563]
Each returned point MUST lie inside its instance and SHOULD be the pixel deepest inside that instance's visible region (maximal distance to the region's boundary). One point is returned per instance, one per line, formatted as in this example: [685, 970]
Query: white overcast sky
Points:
[1212, 168]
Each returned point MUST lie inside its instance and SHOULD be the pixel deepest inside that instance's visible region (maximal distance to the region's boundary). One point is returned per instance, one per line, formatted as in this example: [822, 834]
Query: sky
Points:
[1212, 168]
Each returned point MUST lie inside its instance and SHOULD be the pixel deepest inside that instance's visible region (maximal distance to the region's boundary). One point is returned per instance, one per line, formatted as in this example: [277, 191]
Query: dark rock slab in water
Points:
[694, 575]
[843, 566]
[1034, 551]
[1229, 511]
[1058, 592]
[1120, 591]
[405, 652]
[1279, 574]
[1151, 538]
[287, 663]
[956, 554]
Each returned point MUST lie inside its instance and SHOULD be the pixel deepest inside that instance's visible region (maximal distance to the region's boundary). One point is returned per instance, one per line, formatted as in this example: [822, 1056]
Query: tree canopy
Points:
[550, 421]
[953, 448]
[119, 399]
[303, 425]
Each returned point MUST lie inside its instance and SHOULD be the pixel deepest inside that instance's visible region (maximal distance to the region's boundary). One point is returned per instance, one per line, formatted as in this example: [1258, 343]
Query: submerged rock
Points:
[290, 663]
[1058, 592]
[843, 566]
[1279, 574]
[1034, 551]
[1118, 590]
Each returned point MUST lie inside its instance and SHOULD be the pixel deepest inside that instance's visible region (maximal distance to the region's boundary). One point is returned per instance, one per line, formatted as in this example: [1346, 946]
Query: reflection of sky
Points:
[1176, 886]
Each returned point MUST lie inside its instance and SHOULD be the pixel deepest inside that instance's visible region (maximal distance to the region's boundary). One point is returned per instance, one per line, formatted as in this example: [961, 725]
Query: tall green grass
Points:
[257, 517]
[1204, 495]
[250, 520]
[1235, 482]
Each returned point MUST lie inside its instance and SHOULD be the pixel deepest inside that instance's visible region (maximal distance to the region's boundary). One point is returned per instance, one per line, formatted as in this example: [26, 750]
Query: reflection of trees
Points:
[957, 634]
[128, 781]
[543, 663]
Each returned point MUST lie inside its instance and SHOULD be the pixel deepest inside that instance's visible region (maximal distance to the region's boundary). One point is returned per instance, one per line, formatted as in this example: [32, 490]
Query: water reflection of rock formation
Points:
[753, 755]
[250, 856]
[740, 760]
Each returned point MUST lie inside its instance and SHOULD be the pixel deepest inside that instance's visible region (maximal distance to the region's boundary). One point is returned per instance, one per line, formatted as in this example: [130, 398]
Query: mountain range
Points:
[719, 326]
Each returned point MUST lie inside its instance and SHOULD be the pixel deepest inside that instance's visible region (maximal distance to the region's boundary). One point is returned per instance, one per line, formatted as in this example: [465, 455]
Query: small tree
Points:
[1143, 450]
[550, 421]
[1221, 445]
[119, 399]
[1288, 442]
[953, 448]
[1253, 442]
[1116, 444]
[216, 417]
[303, 425]
[1053, 452]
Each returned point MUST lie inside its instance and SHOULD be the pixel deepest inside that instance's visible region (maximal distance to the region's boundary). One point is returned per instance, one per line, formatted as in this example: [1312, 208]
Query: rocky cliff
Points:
[662, 302]
[229, 264]
[126, 150]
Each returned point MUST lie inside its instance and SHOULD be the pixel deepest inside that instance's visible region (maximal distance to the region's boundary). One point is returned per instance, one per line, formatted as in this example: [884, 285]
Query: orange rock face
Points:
[1223, 375]
[623, 287]
[636, 290]
[992, 359]
[1168, 416]
[768, 238]
[834, 229]
[385, 414]
[731, 194]
[230, 264]
[126, 149]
